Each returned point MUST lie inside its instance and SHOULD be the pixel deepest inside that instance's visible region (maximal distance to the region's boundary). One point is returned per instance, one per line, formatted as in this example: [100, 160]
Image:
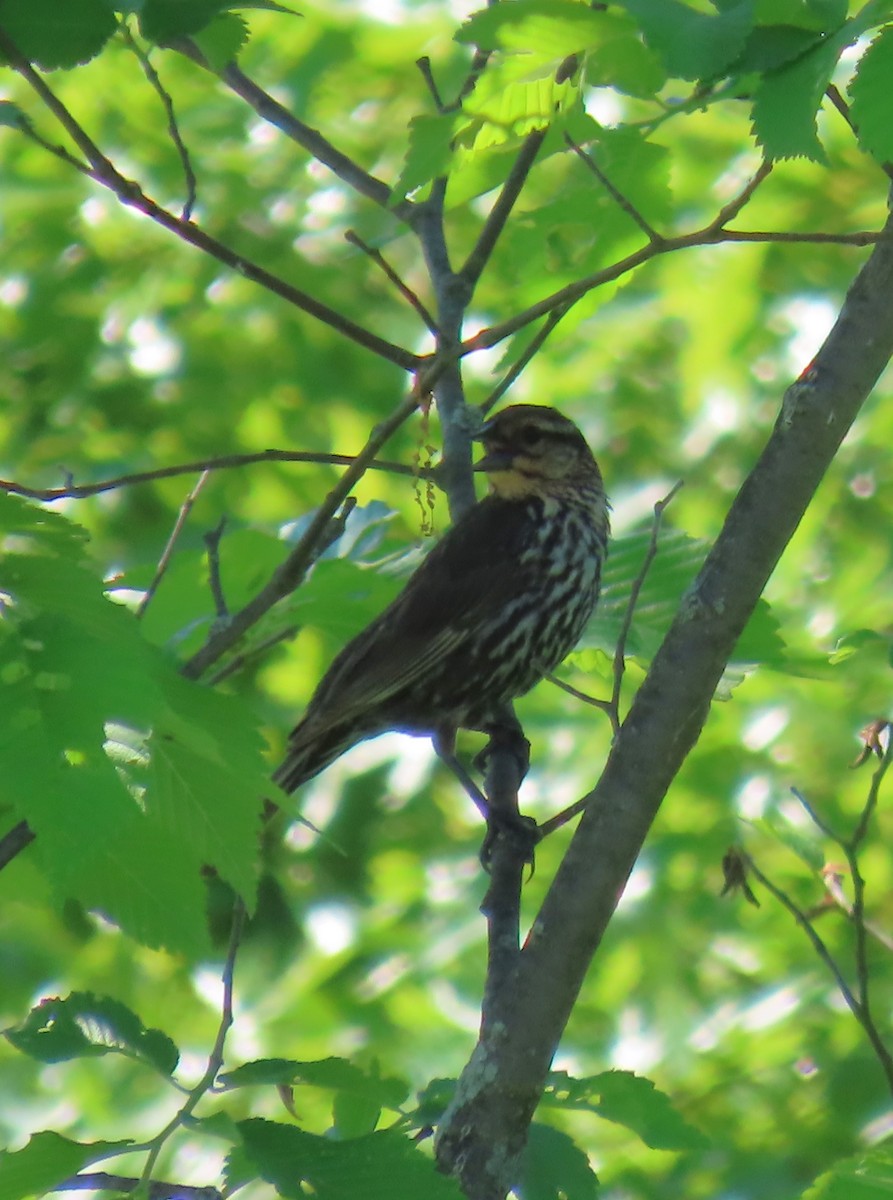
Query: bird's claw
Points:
[522, 832]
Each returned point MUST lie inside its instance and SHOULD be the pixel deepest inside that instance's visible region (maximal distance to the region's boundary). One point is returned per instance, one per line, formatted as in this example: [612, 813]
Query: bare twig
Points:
[215, 1058]
[729, 211]
[603, 705]
[495, 223]
[172, 126]
[73, 491]
[620, 653]
[102, 1181]
[406, 292]
[290, 572]
[103, 171]
[532, 348]
[612, 706]
[14, 842]
[857, 1005]
[239, 660]
[167, 553]
[713, 233]
[318, 146]
[424, 66]
[623, 202]
[212, 542]
[809, 929]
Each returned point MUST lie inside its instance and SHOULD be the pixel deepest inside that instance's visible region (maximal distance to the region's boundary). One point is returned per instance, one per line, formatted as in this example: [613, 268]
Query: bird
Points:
[498, 602]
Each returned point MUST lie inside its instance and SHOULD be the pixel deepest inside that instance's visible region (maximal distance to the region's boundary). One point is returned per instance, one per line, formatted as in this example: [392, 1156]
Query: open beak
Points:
[496, 459]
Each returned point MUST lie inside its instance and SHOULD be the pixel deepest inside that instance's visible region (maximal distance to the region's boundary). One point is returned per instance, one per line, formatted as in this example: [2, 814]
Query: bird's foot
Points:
[522, 834]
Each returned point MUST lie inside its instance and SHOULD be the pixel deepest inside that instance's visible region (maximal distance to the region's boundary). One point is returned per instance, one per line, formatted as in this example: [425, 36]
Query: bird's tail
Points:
[311, 750]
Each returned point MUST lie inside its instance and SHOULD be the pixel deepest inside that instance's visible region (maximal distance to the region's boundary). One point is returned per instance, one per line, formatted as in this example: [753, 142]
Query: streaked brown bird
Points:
[495, 606]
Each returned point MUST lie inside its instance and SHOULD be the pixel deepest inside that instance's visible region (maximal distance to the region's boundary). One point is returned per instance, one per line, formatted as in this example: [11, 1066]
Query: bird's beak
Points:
[496, 459]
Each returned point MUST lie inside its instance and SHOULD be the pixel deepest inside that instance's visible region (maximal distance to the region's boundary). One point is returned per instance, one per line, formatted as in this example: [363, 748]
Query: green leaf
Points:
[380, 1166]
[693, 45]
[83, 745]
[221, 40]
[820, 16]
[867, 1176]
[872, 97]
[503, 108]
[83, 1025]
[336, 1073]
[787, 100]
[772, 46]
[428, 154]
[555, 1168]
[629, 1100]
[804, 843]
[678, 560]
[46, 1161]
[52, 34]
[164, 20]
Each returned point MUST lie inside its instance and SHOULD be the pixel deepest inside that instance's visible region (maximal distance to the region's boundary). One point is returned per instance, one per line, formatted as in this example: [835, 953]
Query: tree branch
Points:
[484, 1129]
[495, 223]
[309, 139]
[223, 462]
[129, 193]
[290, 572]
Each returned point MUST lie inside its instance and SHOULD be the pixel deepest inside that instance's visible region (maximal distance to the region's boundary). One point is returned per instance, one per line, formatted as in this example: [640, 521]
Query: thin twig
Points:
[709, 235]
[168, 552]
[622, 201]
[856, 1006]
[843, 108]
[424, 66]
[638, 583]
[851, 849]
[818, 821]
[406, 292]
[14, 842]
[239, 660]
[72, 491]
[172, 126]
[212, 542]
[612, 706]
[493, 226]
[602, 705]
[215, 1058]
[809, 929]
[729, 211]
[103, 171]
[102, 1181]
[276, 114]
[532, 348]
[289, 573]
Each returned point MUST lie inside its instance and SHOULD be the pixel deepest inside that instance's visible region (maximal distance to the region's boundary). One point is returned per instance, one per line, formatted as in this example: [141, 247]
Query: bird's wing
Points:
[474, 568]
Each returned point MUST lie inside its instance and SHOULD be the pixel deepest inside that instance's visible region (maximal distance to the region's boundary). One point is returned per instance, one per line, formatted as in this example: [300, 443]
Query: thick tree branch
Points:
[484, 1131]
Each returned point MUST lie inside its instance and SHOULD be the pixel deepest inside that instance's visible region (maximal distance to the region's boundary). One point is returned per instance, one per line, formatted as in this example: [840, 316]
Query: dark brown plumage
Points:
[495, 606]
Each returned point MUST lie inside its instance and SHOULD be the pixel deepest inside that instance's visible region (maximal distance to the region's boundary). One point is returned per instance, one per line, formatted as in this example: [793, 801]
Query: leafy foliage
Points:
[128, 349]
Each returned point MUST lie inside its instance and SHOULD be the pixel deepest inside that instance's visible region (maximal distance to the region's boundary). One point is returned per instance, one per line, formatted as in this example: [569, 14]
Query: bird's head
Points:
[531, 450]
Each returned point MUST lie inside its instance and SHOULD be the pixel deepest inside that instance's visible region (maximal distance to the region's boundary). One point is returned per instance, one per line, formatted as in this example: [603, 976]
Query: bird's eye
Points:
[531, 436]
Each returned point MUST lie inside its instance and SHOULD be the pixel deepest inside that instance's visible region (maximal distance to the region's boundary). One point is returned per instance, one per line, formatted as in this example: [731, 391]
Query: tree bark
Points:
[484, 1131]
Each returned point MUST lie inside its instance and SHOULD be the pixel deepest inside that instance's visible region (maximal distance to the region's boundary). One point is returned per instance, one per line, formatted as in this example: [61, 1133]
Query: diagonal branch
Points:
[484, 1130]
[104, 172]
[310, 139]
[495, 223]
[291, 571]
